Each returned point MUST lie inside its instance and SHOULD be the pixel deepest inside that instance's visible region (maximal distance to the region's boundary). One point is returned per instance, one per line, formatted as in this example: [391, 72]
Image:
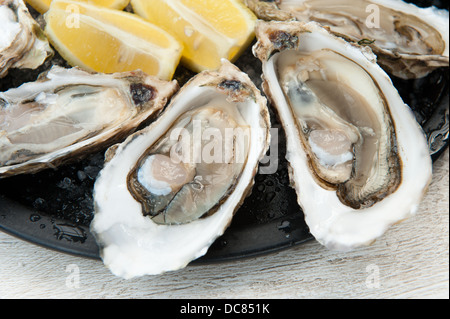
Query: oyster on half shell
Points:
[359, 160]
[68, 112]
[171, 189]
[22, 42]
[409, 41]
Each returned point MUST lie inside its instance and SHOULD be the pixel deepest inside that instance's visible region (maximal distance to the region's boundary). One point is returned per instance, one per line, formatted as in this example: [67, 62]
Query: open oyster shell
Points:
[359, 159]
[409, 41]
[171, 189]
[22, 42]
[67, 113]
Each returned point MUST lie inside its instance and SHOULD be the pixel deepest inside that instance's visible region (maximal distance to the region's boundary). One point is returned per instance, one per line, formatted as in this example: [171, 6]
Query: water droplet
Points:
[39, 204]
[70, 232]
[188, 31]
[81, 175]
[35, 217]
[270, 196]
[285, 226]
[91, 172]
[65, 183]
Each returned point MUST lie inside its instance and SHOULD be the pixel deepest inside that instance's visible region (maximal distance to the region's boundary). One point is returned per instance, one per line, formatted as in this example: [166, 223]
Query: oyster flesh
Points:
[69, 112]
[359, 160]
[22, 42]
[409, 41]
[171, 189]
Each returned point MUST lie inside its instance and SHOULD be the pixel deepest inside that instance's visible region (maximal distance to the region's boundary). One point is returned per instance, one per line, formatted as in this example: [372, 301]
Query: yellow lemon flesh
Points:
[209, 29]
[108, 41]
[42, 6]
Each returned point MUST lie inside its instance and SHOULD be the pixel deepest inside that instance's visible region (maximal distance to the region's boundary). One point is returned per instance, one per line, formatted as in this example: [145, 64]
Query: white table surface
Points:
[410, 261]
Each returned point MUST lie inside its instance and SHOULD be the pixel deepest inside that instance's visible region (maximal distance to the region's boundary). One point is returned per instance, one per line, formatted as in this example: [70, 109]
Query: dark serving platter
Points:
[54, 208]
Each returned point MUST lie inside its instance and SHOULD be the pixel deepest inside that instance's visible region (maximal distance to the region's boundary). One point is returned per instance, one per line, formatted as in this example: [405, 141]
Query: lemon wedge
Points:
[108, 41]
[42, 5]
[209, 29]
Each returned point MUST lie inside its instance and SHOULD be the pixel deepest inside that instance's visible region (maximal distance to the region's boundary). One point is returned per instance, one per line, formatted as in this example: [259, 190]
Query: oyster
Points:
[22, 42]
[359, 159]
[68, 112]
[171, 189]
[409, 41]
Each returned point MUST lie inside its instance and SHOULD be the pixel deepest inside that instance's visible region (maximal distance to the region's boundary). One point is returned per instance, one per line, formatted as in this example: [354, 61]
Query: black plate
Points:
[54, 208]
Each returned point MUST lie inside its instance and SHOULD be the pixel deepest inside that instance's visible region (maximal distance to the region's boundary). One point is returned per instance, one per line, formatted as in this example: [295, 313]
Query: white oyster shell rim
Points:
[133, 245]
[332, 223]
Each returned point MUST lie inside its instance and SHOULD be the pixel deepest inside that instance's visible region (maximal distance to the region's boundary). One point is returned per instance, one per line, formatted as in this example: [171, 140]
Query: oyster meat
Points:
[68, 112]
[409, 41]
[171, 189]
[359, 160]
[22, 42]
